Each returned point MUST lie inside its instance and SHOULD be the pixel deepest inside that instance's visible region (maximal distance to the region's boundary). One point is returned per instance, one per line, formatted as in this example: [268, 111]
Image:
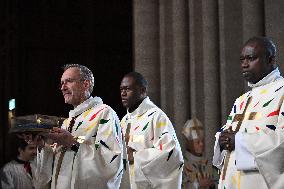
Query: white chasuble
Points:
[98, 162]
[158, 160]
[257, 161]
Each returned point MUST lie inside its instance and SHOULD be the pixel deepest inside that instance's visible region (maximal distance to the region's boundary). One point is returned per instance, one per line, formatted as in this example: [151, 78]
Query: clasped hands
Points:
[227, 139]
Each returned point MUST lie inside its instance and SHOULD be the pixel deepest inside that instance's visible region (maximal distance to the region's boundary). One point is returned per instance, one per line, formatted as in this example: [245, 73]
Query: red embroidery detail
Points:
[136, 127]
[274, 113]
[161, 146]
[242, 105]
[257, 128]
[256, 104]
[95, 115]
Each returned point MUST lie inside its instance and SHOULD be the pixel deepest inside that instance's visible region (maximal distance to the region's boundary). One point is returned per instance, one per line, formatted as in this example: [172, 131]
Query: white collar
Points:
[87, 104]
[145, 105]
[271, 77]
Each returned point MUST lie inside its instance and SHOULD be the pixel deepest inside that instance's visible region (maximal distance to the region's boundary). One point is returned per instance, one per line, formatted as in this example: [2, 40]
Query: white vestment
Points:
[257, 161]
[158, 160]
[14, 176]
[98, 162]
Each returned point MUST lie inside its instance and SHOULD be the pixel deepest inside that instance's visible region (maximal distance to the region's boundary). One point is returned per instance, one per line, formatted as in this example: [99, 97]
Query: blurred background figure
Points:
[21, 172]
[197, 172]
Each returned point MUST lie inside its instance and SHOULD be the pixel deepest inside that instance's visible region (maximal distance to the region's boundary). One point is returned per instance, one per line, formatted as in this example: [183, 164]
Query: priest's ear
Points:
[272, 61]
[143, 91]
[86, 84]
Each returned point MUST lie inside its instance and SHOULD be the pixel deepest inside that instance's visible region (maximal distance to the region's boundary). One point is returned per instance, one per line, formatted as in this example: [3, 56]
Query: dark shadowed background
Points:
[38, 37]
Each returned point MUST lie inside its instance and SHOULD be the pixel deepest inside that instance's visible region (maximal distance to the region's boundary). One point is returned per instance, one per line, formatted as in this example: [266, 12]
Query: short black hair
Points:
[20, 143]
[139, 79]
[267, 43]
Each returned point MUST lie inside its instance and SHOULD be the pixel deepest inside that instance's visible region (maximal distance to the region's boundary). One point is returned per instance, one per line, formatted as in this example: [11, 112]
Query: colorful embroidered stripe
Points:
[272, 127]
[91, 126]
[161, 124]
[116, 128]
[104, 144]
[230, 118]
[278, 89]
[241, 106]
[170, 154]
[161, 147]
[267, 103]
[103, 121]
[87, 112]
[97, 146]
[113, 158]
[145, 126]
[273, 113]
[263, 91]
[80, 123]
[151, 113]
[95, 115]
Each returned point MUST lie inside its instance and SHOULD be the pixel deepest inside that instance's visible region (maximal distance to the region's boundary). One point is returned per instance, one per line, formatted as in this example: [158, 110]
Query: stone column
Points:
[274, 27]
[180, 63]
[166, 57]
[146, 44]
[211, 73]
[252, 14]
[196, 82]
[230, 41]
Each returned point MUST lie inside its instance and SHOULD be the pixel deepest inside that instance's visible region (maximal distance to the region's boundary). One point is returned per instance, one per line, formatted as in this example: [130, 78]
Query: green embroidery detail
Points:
[80, 123]
[103, 121]
[246, 130]
[97, 146]
[145, 126]
[266, 104]
[230, 118]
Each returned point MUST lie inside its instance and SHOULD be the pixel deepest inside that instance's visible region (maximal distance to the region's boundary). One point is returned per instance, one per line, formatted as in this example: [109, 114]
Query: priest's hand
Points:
[61, 137]
[227, 139]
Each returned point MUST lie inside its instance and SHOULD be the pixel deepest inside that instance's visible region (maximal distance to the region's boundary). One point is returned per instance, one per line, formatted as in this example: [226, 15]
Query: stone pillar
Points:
[196, 82]
[230, 41]
[166, 57]
[274, 27]
[252, 14]
[146, 44]
[211, 73]
[180, 63]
